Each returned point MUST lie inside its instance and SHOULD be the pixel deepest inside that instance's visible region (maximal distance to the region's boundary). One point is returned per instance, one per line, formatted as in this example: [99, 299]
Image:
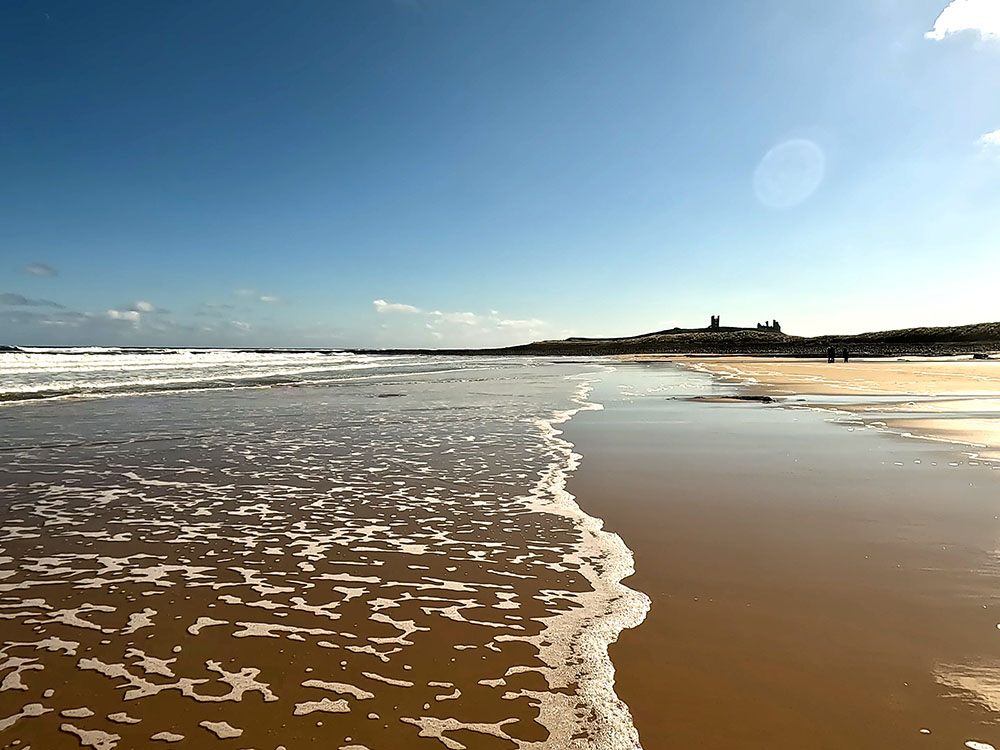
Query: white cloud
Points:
[531, 324]
[980, 16]
[990, 140]
[416, 327]
[467, 329]
[462, 318]
[143, 308]
[40, 269]
[267, 298]
[131, 316]
[381, 306]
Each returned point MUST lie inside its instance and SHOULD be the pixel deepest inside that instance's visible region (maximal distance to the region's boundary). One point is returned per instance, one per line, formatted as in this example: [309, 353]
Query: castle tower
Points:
[714, 325]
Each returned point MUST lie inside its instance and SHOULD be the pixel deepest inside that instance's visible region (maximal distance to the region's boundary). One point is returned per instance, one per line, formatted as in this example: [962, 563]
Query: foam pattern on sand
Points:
[312, 567]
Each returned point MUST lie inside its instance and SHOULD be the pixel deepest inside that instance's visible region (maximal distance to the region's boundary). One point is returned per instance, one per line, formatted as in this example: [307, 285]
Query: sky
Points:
[385, 173]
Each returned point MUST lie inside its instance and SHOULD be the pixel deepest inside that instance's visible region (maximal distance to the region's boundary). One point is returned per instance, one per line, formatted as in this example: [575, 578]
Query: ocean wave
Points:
[40, 373]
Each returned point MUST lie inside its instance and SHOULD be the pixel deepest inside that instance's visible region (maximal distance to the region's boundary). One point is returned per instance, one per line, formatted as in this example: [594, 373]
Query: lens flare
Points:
[789, 173]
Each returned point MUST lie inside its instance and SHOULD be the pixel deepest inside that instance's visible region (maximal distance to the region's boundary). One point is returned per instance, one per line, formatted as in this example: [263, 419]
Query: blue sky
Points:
[436, 172]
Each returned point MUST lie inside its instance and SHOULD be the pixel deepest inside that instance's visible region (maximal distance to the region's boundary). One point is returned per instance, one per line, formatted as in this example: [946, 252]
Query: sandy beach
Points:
[890, 376]
[951, 399]
[810, 585]
[412, 552]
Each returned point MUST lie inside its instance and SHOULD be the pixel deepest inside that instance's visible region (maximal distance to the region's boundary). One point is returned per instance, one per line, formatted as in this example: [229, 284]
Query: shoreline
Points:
[952, 401]
[575, 644]
[806, 583]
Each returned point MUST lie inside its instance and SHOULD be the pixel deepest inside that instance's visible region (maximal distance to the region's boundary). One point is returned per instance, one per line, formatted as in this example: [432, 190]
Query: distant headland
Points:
[769, 339]
[763, 339]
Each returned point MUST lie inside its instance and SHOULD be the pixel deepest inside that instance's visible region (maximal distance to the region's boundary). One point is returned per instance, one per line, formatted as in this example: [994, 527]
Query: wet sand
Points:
[949, 399]
[812, 585]
[308, 567]
[902, 376]
[321, 567]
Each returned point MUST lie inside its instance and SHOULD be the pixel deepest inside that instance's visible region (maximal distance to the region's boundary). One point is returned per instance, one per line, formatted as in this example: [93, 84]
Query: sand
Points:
[912, 376]
[811, 585]
[240, 568]
[951, 399]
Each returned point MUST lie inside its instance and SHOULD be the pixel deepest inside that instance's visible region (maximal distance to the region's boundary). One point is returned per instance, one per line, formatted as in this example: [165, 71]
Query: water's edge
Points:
[575, 644]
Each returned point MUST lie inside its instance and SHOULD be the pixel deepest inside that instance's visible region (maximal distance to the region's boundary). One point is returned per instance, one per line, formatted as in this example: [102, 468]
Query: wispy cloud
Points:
[212, 310]
[460, 318]
[415, 326]
[381, 306]
[130, 316]
[40, 269]
[990, 141]
[35, 324]
[18, 300]
[256, 296]
[979, 16]
[43, 320]
[141, 306]
[227, 328]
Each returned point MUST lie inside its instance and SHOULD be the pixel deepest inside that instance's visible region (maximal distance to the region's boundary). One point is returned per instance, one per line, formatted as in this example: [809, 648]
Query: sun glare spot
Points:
[789, 173]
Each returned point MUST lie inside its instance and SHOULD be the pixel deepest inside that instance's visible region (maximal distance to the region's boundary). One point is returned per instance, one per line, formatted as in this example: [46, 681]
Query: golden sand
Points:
[910, 376]
[957, 397]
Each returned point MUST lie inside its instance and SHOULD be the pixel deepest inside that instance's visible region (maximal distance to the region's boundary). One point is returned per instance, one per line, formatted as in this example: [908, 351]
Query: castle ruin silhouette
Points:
[771, 325]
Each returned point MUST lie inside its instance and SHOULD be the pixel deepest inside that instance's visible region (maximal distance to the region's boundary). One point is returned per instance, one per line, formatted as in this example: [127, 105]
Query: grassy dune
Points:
[975, 338]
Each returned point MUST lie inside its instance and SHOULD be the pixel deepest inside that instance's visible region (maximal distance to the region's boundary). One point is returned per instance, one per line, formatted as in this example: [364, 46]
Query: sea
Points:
[280, 549]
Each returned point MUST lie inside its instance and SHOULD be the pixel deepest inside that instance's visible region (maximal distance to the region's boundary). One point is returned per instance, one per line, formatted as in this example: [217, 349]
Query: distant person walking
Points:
[846, 354]
[831, 354]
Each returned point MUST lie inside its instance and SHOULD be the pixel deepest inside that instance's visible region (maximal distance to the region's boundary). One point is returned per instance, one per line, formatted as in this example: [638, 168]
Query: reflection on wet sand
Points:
[812, 584]
[950, 400]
